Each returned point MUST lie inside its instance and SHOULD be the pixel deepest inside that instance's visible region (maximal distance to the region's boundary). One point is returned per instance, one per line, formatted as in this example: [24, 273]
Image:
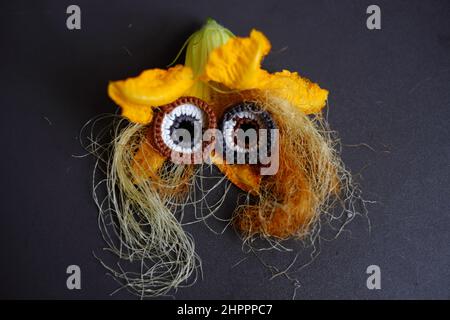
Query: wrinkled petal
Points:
[301, 92]
[244, 176]
[135, 112]
[237, 63]
[152, 88]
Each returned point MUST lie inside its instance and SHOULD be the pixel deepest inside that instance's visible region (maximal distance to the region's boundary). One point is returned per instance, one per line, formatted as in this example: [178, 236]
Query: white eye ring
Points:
[179, 126]
[245, 121]
[172, 128]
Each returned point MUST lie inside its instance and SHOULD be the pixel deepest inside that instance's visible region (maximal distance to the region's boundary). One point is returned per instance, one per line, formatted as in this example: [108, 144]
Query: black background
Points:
[390, 88]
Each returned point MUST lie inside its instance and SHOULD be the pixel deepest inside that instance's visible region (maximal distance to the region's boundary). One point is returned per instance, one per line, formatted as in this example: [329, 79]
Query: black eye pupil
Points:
[183, 125]
[248, 126]
[189, 126]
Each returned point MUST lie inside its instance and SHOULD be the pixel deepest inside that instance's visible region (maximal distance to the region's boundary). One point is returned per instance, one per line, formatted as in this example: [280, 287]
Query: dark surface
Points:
[389, 88]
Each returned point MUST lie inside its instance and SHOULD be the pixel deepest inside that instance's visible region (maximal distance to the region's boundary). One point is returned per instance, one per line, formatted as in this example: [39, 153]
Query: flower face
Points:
[222, 85]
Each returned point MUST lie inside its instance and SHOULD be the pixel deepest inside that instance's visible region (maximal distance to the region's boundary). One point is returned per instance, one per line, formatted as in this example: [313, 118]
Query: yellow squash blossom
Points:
[237, 64]
[215, 55]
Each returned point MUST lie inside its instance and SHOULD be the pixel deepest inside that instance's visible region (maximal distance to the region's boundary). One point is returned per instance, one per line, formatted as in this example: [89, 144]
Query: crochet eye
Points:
[242, 134]
[179, 126]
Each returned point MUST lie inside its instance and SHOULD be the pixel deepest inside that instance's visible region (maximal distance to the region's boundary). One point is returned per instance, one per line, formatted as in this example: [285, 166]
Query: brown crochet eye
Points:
[243, 117]
[179, 126]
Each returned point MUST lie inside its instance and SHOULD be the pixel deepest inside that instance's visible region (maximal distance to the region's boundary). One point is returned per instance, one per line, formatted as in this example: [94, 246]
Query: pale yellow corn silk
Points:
[137, 216]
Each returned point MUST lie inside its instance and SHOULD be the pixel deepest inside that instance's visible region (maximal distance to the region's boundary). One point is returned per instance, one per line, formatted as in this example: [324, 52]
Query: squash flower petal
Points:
[300, 92]
[244, 176]
[237, 63]
[152, 88]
